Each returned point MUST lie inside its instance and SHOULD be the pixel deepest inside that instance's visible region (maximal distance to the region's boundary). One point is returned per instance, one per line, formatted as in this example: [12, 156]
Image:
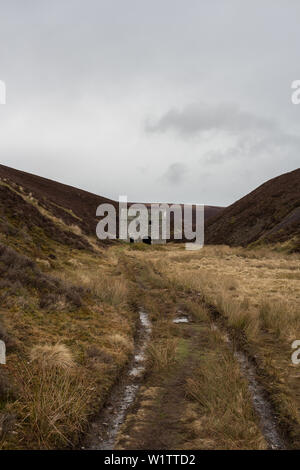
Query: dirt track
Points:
[154, 409]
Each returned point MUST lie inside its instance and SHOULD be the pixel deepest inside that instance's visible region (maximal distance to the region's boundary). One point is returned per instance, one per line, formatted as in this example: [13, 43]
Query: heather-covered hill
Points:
[270, 213]
[46, 208]
[72, 205]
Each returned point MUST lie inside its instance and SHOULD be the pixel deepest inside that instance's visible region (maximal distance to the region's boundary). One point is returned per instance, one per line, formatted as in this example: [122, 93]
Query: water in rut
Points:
[104, 430]
[259, 399]
[260, 403]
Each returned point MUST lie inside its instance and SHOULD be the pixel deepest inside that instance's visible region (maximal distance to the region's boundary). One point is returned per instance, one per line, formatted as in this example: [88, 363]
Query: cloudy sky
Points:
[161, 100]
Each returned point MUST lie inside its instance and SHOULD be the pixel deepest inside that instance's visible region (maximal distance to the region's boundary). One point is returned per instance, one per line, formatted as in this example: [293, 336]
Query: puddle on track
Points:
[181, 320]
[105, 428]
[182, 317]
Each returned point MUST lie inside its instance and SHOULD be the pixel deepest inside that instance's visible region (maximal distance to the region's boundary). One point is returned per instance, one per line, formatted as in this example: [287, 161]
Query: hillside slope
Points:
[62, 299]
[24, 193]
[72, 205]
[270, 213]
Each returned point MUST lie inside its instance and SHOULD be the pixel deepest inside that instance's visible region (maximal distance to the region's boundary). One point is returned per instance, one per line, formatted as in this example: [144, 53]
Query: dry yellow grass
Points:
[257, 293]
[102, 277]
[75, 356]
[225, 417]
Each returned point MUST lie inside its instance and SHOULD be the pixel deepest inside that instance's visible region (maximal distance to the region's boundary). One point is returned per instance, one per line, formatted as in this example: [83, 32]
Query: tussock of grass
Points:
[120, 343]
[52, 400]
[281, 319]
[110, 290]
[57, 355]
[162, 354]
[197, 311]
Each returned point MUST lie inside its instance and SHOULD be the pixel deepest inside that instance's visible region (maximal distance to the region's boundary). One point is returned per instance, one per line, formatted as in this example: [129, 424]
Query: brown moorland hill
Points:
[270, 213]
[73, 206]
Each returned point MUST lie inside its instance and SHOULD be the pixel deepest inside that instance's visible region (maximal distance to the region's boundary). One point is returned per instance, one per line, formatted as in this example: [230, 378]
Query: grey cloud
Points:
[277, 144]
[175, 173]
[196, 118]
[254, 137]
[82, 76]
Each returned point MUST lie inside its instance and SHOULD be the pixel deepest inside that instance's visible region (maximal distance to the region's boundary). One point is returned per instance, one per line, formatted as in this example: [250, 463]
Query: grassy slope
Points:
[97, 330]
[56, 286]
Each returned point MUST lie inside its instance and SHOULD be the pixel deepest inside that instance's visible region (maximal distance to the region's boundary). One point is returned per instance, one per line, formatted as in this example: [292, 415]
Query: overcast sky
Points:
[161, 100]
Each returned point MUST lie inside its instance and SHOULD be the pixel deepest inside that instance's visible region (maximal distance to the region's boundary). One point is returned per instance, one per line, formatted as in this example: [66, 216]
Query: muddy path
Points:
[160, 420]
[105, 427]
[127, 423]
[155, 411]
[157, 420]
